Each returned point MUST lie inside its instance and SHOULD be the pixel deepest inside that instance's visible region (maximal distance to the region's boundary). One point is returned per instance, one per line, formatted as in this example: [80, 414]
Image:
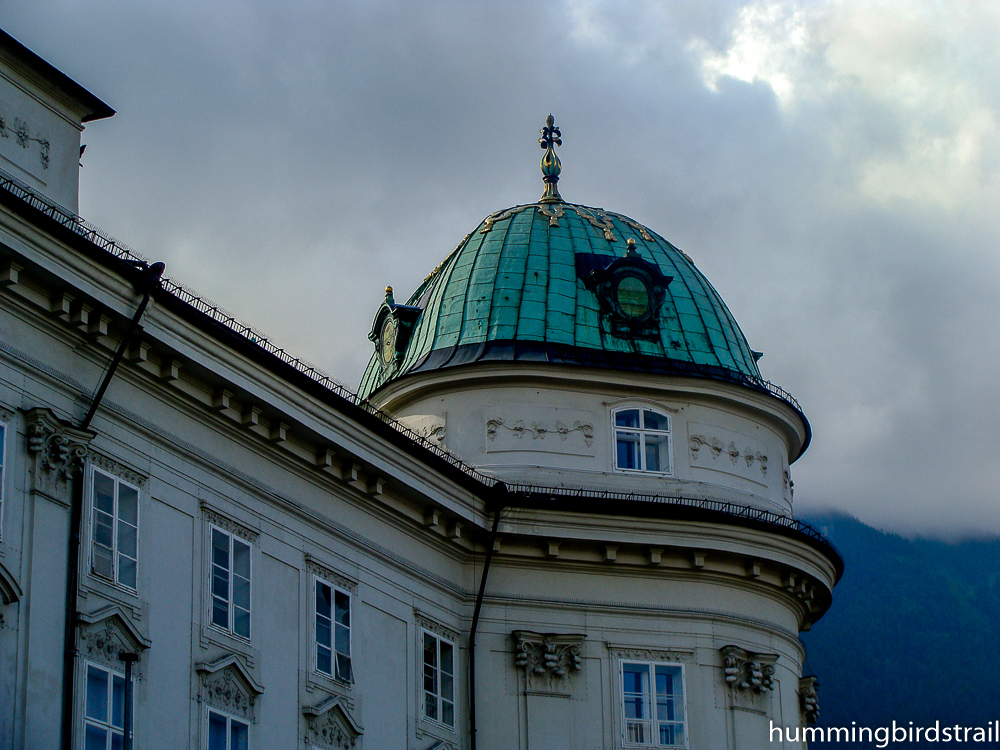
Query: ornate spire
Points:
[551, 166]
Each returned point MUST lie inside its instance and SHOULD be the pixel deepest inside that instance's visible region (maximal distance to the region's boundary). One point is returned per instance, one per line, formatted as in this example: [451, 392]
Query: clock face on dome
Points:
[387, 340]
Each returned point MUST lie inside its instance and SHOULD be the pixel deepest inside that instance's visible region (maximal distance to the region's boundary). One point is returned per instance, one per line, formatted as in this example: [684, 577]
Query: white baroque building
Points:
[557, 516]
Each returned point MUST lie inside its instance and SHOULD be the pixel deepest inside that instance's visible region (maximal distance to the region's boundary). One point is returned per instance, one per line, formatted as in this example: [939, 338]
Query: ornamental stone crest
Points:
[548, 659]
[329, 725]
[58, 449]
[747, 672]
[108, 632]
[227, 685]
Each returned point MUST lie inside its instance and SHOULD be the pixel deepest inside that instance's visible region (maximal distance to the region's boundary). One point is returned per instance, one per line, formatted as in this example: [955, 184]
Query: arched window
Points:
[642, 440]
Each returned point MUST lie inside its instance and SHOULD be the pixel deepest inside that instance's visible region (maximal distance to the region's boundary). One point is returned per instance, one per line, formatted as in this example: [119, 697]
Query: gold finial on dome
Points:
[551, 166]
[388, 295]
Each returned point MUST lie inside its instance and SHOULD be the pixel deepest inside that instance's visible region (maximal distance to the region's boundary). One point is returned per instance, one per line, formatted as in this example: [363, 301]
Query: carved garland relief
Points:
[225, 690]
[717, 448]
[538, 430]
[548, 659]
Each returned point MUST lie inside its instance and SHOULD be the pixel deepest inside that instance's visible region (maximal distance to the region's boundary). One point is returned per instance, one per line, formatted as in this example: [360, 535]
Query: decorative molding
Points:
[6, 415]
[24, 133]
[539, 430]
[748, 671]
[643, 232]
[117, 469]
[553, 212]
[330, 725]
[496, 216]
[58, 447]
[718, 448]
[668, 656]
[435, 627]
[547, 659]
[227, 524]
[809, 698]
[329, 575]
[598, 219]
[428, 426]
[10, 591]
[228, 685]
[107, 632]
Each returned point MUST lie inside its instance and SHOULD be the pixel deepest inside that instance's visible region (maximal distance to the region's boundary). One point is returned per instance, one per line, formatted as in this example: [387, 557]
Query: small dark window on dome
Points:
[632, 296]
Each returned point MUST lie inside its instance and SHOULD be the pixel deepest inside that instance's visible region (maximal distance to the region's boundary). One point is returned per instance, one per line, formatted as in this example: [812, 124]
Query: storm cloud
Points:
[831, 167]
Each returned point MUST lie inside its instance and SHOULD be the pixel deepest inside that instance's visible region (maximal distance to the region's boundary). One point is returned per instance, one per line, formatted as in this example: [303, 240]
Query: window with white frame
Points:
[104, 710]
[332, 628]
[642, 440]
[653, 705]
[114, 531]
[230, 581]
[439, 679]
[227, 733]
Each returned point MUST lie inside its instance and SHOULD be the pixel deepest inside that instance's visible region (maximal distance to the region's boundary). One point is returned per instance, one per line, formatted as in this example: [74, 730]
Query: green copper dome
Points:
[562, 283]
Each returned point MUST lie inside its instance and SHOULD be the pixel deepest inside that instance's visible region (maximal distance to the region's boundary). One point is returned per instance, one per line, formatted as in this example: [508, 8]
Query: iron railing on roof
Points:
[725, 507]
[93, 234]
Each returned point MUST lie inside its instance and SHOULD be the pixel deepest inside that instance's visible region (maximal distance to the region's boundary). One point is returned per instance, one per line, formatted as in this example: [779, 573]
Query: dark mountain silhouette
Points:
[913, 633]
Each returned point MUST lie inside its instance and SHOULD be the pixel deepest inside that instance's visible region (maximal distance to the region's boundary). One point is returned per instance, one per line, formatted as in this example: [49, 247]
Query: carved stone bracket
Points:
[330, 725]
[809, 699]
[547, 658]
[228, 685]
[58, 449]
[747, 671]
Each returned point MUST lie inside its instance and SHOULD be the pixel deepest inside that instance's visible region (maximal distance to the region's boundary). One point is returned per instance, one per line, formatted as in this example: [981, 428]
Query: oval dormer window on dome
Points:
[642, 440]
[633, 297]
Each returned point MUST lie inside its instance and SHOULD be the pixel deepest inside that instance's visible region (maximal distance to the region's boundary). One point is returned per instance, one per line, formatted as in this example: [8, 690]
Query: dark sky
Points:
[831, 167]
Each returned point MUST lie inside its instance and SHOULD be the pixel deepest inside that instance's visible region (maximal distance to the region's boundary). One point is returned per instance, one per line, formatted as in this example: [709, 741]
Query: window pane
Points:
[220, 582]
[324, 660]
[448, 713]
[241, 622]
[104, 493]
[447, 658]
[430, 679]
[118, 701]
[97, 694]
[447, 686]
[654, 421]
[117, 741]
[430, 706]
[126, 572]
[241, 559]
[628, 450]
[343, 604]
[216, 731]
[128, 504]
[95, 738]
[343, 636]
[220, 613]
[239, 733]
[627, 418]
[633, 296]
[241, 592]
[127, 540]
[324, 634]
[430, 650]
[104, 529]
[220, 549]
[344, 668]
[324, 600]
[657, 454]
[102, 562]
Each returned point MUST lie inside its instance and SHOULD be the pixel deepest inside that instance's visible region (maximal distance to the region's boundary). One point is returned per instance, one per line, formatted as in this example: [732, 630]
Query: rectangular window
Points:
[642, 440]
[230, 583]
[114, 533]
[104, 715]
[439, 679]
[333, 631]
[653, 705]
[227, 733]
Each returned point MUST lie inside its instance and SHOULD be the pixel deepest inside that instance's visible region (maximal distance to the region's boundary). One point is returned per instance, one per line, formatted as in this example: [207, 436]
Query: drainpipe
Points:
[500, 500]
[148, 280]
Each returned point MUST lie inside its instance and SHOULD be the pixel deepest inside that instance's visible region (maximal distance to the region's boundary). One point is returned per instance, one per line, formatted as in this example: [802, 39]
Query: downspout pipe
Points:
[500, 502]
[149, 279]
